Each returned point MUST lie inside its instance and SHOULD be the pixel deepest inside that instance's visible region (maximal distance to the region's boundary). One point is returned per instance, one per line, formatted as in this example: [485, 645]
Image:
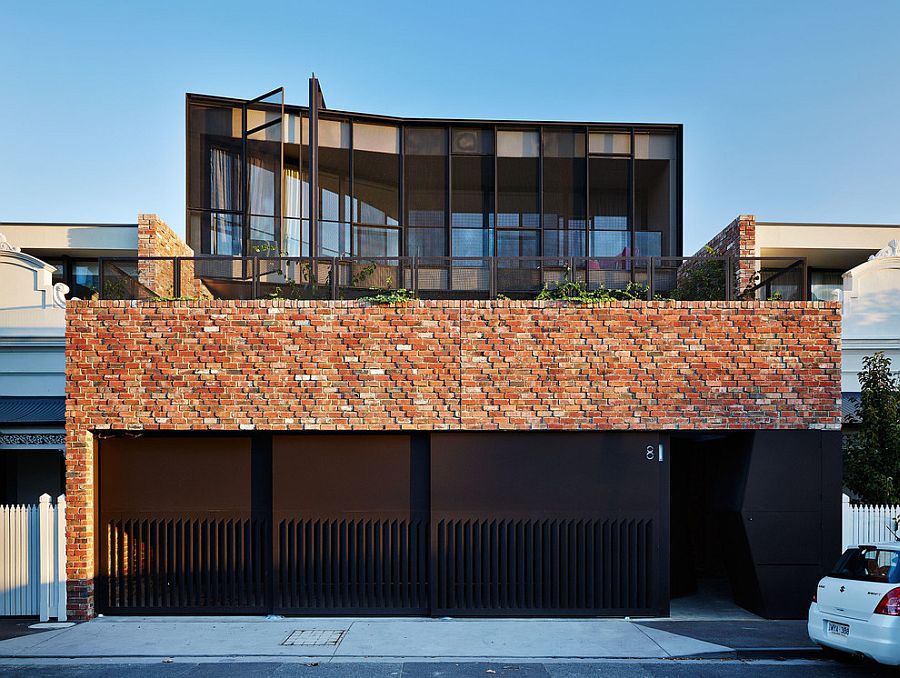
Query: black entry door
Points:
[183, 526]
[351, 524]
[549, 524]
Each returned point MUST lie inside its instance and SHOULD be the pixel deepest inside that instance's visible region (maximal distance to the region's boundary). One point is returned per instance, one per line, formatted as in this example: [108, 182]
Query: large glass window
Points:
[296, 187]
[214, 155]
[518, 183]
[85, 279]
[264, 175]
[376, 190]
[214, 176]
[425, 170]
[472, 192]
[824, 284]
[564, 193]
[334, 189]
[654, 194]
[376, 174]
[518, 194]
[608, 207]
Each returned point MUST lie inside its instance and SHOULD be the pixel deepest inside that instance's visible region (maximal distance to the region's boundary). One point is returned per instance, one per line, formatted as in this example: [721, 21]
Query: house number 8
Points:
[650, 454]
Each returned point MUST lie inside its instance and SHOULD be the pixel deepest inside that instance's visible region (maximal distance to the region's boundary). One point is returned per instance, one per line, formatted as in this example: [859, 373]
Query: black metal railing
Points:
[701, 277]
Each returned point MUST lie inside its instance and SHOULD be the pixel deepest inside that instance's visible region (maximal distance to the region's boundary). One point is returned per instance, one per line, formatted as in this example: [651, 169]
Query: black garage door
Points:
[521, 524]
[351, 524]
[548, 524]
[183, 526]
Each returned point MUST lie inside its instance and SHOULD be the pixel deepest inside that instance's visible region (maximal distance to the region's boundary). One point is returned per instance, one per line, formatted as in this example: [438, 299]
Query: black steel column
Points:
[313, 166]
[245, 185]
[631, 209]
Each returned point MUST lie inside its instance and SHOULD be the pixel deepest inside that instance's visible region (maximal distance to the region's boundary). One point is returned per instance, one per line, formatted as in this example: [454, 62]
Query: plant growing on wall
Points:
[872, 454]
[703, 280]
[577, 292]
[391, 297]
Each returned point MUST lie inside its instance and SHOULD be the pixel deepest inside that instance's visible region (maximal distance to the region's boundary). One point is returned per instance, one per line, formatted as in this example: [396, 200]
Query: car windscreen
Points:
[867, 563]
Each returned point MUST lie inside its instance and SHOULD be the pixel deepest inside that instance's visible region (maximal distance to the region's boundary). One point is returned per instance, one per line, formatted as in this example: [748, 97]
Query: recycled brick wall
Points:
[737, 239]
[156, 239]
[434, 365]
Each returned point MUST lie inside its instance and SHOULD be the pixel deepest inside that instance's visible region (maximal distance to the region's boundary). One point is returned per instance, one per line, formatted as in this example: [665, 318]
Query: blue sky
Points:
[791, 108]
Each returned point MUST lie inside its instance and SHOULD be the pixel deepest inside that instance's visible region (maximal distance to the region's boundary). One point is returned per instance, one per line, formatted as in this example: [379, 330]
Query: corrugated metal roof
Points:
[32, 409]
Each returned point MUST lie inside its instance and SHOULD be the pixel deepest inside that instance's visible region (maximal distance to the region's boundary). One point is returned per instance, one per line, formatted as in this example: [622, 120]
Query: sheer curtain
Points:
[296, 237]
[225, 168]
[262, 201]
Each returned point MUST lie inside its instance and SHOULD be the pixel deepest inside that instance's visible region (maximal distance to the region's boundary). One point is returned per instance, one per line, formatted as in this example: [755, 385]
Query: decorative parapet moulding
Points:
[7, 246]
[892, 250]
[60, 290]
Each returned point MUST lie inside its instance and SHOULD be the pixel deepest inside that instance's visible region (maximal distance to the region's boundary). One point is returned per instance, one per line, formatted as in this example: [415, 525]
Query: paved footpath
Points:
[357, 639]
[645, 668]
[557, 648]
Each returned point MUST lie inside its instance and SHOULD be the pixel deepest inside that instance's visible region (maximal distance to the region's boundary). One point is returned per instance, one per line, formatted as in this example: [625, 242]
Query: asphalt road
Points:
[619, 669]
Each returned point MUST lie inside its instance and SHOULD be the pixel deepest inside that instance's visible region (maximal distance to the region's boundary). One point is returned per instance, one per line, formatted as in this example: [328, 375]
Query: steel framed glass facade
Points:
[429, 188]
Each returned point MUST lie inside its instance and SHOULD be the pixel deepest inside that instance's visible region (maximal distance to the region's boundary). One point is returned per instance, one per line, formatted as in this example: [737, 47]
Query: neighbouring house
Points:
[268, 442]
[41, 265]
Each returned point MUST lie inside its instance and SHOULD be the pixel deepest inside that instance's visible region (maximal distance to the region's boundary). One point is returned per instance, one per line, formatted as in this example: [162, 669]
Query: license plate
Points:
[838, 629]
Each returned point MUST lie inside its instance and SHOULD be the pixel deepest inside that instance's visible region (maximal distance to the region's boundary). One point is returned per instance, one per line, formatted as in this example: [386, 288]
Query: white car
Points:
[856, 608]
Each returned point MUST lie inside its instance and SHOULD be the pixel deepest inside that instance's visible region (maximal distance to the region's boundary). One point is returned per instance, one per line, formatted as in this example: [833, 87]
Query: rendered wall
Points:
[32, 321]
[871, 315]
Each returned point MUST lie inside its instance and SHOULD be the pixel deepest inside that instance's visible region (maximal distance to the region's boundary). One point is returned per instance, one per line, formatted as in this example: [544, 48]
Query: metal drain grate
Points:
[320, 637]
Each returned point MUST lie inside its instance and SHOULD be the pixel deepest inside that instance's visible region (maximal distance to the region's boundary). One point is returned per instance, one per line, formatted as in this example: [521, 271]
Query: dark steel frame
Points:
[254, 274]
[312, 112]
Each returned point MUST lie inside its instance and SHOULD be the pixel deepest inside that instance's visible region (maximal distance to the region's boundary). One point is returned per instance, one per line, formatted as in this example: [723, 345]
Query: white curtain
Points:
[225, 178]
[293, 193]
[296, 236]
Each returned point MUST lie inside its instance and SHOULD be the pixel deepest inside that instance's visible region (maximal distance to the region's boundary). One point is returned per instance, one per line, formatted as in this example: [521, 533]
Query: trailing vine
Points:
[391, 297]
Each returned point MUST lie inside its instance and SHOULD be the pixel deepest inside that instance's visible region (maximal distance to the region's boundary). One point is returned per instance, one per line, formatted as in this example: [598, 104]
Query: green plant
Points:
[165, 298]
[362, 275]
[575, 291]
[872, 454]
[268, 247]
[114, 288]
[290, 291]
[703, 279]
[391, 297]
[501, 297]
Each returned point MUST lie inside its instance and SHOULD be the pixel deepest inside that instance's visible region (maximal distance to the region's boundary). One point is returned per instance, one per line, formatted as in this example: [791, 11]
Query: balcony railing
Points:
[260, 277]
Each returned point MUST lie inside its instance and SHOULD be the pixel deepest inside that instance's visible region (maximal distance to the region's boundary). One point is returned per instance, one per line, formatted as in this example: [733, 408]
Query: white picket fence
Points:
[866, 523]
[33, 559]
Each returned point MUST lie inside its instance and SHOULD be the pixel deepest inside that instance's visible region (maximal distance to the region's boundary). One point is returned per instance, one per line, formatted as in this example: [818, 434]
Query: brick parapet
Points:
[737, 239]
[434, 365]
[156, 239]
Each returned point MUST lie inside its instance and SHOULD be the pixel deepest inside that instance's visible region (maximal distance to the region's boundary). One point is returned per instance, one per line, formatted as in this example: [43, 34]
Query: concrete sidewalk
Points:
[355, 639]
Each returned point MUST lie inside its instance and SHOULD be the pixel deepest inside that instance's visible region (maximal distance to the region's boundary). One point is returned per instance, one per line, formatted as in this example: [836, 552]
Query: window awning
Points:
[32, 409]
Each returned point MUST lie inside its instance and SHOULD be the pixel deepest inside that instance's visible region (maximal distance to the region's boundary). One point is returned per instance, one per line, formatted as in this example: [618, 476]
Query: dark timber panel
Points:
[351, 517]
[182, 527]
[549, 524]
